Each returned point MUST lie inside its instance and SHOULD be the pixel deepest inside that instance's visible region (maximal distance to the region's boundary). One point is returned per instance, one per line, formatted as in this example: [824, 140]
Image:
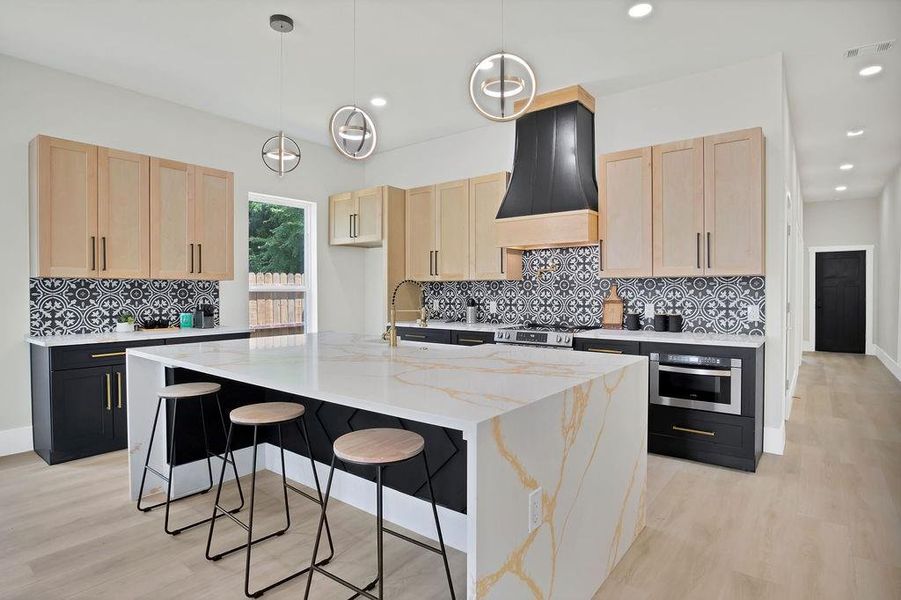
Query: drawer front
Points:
[607, 346]
[703, 431]
[424, 334]
[472, 338]
[207, 338]
[93, 355]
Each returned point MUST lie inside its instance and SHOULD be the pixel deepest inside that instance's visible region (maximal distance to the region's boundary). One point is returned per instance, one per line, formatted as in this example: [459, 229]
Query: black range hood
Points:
[552, 198]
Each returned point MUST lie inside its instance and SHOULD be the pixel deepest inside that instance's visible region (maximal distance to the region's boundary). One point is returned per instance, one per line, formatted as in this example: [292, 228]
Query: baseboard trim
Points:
[807, 346]
[774, 439]
[14, 441]
[890, 364]
[400, 509]
[790, 395]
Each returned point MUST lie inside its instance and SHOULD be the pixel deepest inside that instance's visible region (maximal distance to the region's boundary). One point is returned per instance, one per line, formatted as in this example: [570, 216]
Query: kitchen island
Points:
[568, 429]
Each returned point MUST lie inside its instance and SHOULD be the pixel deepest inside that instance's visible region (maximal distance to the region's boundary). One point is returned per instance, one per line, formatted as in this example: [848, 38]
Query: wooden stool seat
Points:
[378, 446]
[266, 413]
[189, 390]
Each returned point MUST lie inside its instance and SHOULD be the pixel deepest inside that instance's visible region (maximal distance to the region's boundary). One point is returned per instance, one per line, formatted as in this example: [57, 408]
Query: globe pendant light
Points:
[352, 129]
[500, 81]
[280, 153]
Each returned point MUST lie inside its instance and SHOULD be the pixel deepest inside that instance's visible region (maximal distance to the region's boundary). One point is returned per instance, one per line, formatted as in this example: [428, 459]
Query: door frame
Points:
[812, 292]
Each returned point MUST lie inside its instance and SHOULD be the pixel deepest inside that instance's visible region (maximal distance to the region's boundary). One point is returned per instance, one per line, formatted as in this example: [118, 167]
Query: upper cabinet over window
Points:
[702, 215]
[99, 212]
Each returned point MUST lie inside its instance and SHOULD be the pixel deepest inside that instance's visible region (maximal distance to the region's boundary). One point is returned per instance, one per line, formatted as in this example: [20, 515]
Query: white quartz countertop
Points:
[685, 337]
[457, 325]
[450, 386]
[79, 339]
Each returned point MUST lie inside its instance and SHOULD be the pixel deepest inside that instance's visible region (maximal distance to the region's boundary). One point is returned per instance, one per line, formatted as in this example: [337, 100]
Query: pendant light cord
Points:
[354, 96]
[502, 26]
[281, 79]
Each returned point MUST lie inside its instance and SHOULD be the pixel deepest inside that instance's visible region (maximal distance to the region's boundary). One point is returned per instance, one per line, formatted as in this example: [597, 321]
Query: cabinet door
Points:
[452, 243]
[81, 410]
[64, 185]
[341, 215]
[214, 201]
[420, 227]
[624, 219]
[486, 259]
[171, 220]
[119, 407]
[734, 203]
[367, 228]
[679, 209]
[123, 207]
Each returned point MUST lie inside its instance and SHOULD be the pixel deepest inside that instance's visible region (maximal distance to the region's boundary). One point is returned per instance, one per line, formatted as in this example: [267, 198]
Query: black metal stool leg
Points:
[227, 452]
[302, 427]
[147, 459]
[328, 491]
[281, 450]
[253, 484]
[379, 525]
[206, 444]
[209, 539]
[171, 465]
[428, 475]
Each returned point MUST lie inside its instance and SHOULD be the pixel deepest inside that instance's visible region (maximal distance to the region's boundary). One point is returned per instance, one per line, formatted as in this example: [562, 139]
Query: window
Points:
[281, 265]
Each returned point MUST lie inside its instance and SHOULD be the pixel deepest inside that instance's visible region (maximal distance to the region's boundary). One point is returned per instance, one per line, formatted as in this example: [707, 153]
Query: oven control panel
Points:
[698, 361]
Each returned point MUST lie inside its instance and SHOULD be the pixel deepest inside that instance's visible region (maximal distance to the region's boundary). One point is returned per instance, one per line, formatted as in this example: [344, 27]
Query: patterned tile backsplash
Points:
[574, 295]
[59, 306]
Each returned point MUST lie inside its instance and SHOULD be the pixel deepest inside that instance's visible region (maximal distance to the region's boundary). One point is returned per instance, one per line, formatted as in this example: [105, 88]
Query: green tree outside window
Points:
[276, 238]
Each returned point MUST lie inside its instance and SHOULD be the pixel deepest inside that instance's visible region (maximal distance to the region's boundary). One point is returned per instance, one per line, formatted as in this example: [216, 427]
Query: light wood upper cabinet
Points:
[213, 224]
[355, 218]
[734, 203]
[678, 172]
[488, 261]
[625, 214]
[63, 189]
[452, 230]
[171, 220]
[421, 214]
[341, 211]
[123, 206]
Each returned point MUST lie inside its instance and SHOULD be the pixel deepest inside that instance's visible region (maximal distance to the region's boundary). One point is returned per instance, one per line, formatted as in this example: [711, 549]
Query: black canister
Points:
[633, 323]
[675, 323]
[661, 322]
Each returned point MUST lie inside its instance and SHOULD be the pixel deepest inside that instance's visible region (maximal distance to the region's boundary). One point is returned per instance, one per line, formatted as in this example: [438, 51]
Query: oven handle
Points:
[711, 372]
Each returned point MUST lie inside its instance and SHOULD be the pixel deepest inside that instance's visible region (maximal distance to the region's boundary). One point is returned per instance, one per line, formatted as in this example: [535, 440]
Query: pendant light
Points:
[352, 129]
[280, 153]
[501, 80]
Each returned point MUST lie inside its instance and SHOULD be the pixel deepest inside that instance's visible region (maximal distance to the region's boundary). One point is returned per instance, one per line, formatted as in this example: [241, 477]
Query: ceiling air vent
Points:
[874, 48]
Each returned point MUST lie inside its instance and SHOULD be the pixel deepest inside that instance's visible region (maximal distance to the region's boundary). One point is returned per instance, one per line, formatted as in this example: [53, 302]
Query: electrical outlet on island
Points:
[534, 509]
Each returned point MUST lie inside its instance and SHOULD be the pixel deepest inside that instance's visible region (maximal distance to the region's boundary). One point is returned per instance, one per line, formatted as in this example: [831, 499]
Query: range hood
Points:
[552, 199]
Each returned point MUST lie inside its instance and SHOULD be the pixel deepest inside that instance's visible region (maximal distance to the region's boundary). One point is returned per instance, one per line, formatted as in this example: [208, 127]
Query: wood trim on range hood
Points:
[565, 95]
[550, 230]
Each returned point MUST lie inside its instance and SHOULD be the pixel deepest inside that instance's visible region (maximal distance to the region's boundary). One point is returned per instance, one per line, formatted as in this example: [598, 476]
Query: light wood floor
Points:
[823, 521]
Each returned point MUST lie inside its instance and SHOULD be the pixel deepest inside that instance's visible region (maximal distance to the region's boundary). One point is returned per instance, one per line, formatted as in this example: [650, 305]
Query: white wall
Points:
[888, 265]
[748, 94]
[838, 223]
[35, 99]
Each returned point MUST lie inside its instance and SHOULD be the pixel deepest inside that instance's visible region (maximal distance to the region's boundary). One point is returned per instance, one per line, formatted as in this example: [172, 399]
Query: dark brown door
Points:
[841, 301]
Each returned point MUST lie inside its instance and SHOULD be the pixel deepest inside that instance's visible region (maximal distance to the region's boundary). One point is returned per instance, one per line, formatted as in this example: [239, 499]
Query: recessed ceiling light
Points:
[378, 101]
[841, 188]
[870, 70]
[855, 132]
[640, 10]
[846, 167]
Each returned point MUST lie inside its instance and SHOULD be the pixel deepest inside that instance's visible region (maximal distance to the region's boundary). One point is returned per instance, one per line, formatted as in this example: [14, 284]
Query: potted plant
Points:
[125, 323]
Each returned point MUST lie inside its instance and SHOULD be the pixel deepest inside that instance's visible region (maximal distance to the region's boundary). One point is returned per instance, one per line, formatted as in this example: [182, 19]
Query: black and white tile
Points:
[574, 295]
[64, 306]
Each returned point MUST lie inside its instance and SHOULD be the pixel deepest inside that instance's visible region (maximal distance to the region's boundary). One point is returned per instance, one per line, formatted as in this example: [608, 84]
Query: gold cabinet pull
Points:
[605, 350]
[471, 340]
[415, 335]
[107, 354]
[119, 388]
[697, 431]
[109, 392]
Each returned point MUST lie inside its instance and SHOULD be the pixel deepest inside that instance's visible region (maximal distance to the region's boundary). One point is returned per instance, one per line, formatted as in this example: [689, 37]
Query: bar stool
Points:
[379, 447]
[177, 393]
[267, 414]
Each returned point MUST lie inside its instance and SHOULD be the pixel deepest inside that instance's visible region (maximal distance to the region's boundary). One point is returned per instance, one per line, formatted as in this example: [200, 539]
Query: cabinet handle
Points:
[601, 254]
[414, 335]
[698, 249]
[200, 258]
[108, 354]
[431, 262]
[502, 260]
[436, 264]
[103, 251]
[350, 225]
[93, 253]
[192, 257]
[605, 350]
[471, 340]
[109, 392]
[697, 431]
[708, 249]
[119, 388]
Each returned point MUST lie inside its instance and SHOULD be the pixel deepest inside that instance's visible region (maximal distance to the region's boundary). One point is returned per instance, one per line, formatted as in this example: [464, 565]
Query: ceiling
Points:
[221, 56]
